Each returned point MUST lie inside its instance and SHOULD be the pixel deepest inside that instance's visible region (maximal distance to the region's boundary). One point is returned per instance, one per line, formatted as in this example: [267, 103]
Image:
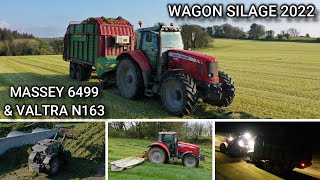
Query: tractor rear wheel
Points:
[190, 160]
[53, 167]
[80, 73]
[223, 148]
[72, 70]
[156, 155]
[129, 79]
[179, 94]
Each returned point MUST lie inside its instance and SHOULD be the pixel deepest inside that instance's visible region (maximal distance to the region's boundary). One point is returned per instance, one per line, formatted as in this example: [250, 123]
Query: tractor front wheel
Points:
[129, 79]
[223, 148]
[190, 160]
[179, 94]
[53, 167]
[156, 155]
[228, 90]
[227, 93]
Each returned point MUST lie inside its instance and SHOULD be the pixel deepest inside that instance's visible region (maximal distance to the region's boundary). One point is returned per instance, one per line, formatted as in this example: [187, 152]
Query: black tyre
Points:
[87, 73]
[129, 79]
[223, 148]
[190, 160]
[157, 155]
[228, 90]
[53, 167]
[67, 157]
[278, 169]
[80, 74]
[72, 70]
[267, 166]
[179, 94]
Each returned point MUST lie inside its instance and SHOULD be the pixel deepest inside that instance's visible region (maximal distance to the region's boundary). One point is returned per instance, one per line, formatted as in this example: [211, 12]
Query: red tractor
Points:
[158, 65]
[168, 146]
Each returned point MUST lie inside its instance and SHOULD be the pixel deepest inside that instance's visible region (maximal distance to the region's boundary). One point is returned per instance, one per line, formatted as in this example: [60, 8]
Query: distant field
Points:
[272, 79]
[122, 148]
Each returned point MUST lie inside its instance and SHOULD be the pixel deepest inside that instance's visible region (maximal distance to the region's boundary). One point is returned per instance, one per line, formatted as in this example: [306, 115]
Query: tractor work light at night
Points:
[230, 138]
[247, 135]
[241, 143]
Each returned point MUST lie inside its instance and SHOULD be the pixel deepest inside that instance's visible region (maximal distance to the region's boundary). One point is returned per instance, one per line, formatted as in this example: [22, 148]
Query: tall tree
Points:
[256, 31]
[293, 32]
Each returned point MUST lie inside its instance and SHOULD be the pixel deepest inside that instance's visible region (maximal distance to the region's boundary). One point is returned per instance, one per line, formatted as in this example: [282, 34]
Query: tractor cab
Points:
[171, 140]
[156, 41]
[46, 146]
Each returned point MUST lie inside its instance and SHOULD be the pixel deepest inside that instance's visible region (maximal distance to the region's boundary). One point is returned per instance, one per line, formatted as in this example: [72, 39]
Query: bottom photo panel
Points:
[52, 150]
[267, 150]
[160, 150]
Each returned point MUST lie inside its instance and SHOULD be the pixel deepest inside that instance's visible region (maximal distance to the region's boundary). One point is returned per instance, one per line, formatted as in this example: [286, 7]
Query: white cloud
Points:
[4, 24]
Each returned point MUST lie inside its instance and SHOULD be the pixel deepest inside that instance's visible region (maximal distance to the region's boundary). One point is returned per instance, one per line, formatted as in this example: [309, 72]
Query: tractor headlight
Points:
[247, 135]
[241, 143]
[210, 75]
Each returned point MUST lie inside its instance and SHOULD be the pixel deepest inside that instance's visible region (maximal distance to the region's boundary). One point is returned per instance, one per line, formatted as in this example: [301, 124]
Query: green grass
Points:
[272, 79]
[120, 148]
[88, 156]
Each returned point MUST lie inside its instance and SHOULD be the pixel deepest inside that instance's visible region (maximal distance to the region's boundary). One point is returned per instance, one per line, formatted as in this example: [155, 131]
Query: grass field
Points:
[88, 156]
[272, 79]
[122, 148]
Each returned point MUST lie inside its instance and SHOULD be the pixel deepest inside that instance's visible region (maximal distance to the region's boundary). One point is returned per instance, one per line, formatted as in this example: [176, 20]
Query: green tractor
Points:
[48, 156]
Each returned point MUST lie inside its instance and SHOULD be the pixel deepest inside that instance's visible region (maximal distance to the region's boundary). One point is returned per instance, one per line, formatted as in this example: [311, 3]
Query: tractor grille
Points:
[212, 68]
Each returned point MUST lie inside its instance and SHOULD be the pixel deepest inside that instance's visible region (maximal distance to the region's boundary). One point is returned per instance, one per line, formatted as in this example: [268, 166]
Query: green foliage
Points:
[225, 31]
[7, 34]
[57, 45]
[202, 39]
[256, 31]
[269, 35]
[13, 43]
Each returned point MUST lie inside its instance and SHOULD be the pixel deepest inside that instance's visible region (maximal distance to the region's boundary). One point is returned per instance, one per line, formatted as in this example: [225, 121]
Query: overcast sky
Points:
[48, 18]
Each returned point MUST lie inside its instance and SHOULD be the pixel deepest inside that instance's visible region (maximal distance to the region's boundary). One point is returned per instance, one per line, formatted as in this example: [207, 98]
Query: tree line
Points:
[13, 43]
[203, 35]
[256, 31]
[191, 131]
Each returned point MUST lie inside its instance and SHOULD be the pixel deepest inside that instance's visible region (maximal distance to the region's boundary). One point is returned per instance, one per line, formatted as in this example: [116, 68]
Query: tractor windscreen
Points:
[171, 40]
